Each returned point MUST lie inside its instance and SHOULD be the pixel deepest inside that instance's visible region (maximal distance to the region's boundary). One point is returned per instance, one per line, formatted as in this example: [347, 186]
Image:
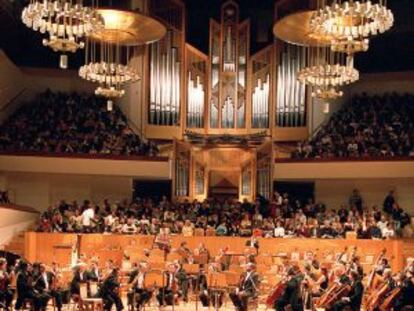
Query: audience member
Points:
[226, 219]
[71, 123]
[369, 126]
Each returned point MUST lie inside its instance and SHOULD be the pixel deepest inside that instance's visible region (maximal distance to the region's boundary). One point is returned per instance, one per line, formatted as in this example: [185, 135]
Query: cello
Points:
[276, 293]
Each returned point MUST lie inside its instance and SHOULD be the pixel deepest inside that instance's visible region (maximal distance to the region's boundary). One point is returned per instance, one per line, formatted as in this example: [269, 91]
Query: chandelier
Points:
[66, 22]
[351, 23]
[107, 64]
[110, 51]
[326, 72]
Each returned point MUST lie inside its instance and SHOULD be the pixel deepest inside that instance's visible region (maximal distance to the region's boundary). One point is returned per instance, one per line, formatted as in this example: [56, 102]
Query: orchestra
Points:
[304, 283]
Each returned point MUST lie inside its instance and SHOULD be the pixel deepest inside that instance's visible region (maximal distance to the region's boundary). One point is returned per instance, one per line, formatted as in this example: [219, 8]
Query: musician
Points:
[162, 240]
[292, 295]
[201, 250]
[45, 284]
[80, 276]
[354, 299]
[169, 292]
[109, 291]
[138, 293]
[25, 290]
[94, 273]
[247, 288]
[6, 295]
[382, 265]
[185, 252]
[407, 293]
[253, 242]
[207, 296]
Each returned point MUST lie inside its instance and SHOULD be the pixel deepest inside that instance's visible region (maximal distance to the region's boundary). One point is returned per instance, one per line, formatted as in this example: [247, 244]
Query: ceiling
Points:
[392, 51]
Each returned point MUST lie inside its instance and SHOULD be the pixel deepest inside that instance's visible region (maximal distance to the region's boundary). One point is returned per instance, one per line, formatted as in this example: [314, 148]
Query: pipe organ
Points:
[291, 94]
[229, 52]
[196, 87]
[261, 87]
[165, 68]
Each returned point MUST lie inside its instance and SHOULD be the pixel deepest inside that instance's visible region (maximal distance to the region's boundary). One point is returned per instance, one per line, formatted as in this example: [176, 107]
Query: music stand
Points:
[217, 282]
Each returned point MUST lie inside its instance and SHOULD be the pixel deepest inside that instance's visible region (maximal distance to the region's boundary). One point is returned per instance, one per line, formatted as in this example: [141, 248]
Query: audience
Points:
[71, 123]
[278, 217]
[369, 126]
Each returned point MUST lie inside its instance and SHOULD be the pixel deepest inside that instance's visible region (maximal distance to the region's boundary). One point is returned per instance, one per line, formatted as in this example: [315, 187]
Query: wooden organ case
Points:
[223, 100]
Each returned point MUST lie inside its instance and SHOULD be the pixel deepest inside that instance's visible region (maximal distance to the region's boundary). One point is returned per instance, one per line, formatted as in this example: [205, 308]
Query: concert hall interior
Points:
[207, 155]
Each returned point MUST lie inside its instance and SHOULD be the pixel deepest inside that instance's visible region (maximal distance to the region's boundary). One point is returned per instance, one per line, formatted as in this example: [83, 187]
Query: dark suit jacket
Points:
[77, 280]
[356, 294]
[22, 284]
[249, 285]
[109, 285]
[292, 293]
[40, 284]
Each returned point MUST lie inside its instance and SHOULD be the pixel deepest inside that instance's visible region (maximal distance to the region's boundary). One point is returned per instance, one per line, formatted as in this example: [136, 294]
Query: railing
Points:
[84, 156]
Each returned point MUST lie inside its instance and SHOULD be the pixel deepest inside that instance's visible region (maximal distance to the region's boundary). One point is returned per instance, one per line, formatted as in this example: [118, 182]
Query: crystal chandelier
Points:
[66, 23]
[107, 64]
[326, 72]
[350, 24]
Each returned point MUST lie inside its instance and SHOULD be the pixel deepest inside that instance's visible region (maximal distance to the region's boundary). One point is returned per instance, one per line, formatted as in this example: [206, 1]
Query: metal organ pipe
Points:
[165, 82]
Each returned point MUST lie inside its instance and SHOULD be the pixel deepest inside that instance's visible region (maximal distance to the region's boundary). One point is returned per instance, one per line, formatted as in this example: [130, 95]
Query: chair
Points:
[210, 232]
[199, 232]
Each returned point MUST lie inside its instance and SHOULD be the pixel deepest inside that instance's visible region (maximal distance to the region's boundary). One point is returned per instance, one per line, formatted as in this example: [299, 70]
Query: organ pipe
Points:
[260, 103]
[196, 95]
[291, 95]
[164, 82]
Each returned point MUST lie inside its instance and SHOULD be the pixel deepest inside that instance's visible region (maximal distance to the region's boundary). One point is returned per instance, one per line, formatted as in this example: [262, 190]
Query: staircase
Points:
[16, 245]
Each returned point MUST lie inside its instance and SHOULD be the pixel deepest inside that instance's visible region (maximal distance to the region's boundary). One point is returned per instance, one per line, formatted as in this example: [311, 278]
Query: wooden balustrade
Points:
[58, 247]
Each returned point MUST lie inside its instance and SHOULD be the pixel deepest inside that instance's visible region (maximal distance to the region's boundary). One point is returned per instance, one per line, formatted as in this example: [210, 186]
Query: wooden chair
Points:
[199, 232]
[210, 232]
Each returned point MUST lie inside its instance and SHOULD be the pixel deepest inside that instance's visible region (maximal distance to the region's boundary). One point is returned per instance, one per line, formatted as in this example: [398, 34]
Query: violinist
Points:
[25, 290]
[292, 295]
[354, 299]
[109, 291]
[44, 284]
[185, 252]
[247, 288]
[138, 294]
[6, 295]
[405, 299]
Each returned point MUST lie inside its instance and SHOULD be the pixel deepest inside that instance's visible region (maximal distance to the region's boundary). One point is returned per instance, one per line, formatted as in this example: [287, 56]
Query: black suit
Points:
[355, 298]
[78, 279]
[6, 295]
[44, 289]
[25, 290]
[138, 294]
[109, 293]
[248, 285]
[166, 294]
[291, 296]
[206, 295]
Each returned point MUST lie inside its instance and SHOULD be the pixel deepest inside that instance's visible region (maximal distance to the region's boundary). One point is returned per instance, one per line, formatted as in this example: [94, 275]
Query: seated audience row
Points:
[281, 217]
[71, 123]
[369, 126]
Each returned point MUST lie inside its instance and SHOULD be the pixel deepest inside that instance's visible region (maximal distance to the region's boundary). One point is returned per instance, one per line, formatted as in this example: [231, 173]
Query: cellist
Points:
[292, 295]
[354, 299]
